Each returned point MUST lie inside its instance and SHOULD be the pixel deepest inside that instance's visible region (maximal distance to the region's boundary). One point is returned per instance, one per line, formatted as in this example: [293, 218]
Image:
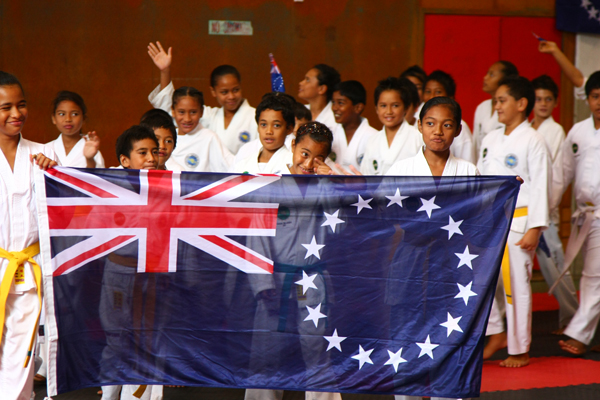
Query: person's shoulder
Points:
[466, 167]
[484, 105]
[493, 135]
[586, 125]
[403, 167]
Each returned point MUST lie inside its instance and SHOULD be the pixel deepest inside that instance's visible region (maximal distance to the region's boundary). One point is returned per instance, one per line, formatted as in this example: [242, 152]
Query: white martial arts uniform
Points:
[352, 153]
[201, 151]
[565, 292]
[18, 231]
[276, 165]
[326, 116]
[462, 146]
[523, 153]
[379, 157]
[485, 121]
[418, 112]
[580, 162]
[172, 165]
[241, 129]
[75, 158]
[418, 166]
[254, 147]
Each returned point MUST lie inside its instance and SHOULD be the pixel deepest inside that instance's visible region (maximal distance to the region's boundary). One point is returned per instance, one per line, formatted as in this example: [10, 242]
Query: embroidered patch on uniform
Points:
[575, 148]
[20, 275]
[359, 159]
[511, 161]
[244, 137]
[484, 152]
[375, 164]
[283, 213]
[191, 160]
[332, 156]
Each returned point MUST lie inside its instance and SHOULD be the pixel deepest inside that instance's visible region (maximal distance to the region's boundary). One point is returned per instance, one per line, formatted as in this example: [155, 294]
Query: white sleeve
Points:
[540, 173]
[162, 99]
[99, 160]
[580, 91]
[563, 172]
[221, 159]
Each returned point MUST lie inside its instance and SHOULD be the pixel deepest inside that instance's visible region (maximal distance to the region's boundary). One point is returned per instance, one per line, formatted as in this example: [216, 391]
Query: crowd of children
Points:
[423, 135]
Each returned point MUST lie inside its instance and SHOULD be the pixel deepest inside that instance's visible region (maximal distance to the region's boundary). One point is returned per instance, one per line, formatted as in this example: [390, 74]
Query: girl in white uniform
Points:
[486, 117]
[21, 299]
[233, 122]
[72, 148]
[397, 140]
[317, 89]
[517, 149]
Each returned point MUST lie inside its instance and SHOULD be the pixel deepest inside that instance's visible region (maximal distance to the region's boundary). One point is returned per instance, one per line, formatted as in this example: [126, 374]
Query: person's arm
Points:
[90, 149]
[162, 59]
[563, 62]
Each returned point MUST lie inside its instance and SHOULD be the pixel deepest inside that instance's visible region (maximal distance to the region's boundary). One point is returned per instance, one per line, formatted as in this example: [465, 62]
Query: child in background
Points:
[137, 148]
[440, 83]
[546, 100]
[353, 131]
[486, 117]
[166, 134]
[580, 163]
[72, 147]
[302, 116]
[233, 122]
[417, 76]
[397, 140]
[517, 149]
[415, 101]
[19, 248]
[317, 89]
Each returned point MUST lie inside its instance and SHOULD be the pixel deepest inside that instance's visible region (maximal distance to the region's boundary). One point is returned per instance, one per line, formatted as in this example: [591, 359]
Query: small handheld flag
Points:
[541, 39]
[277, 84]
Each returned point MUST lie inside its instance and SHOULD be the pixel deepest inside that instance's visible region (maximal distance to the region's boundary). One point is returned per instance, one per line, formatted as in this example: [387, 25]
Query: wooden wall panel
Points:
[529, 8]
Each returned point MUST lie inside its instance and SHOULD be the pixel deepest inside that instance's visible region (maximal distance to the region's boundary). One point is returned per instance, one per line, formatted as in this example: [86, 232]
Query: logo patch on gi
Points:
[244, 137]
[191, 160]
[511, 161]
[575, 148]
[359, 159]
[484, 152]
[283, 213]
[332, 156]
[375, 165]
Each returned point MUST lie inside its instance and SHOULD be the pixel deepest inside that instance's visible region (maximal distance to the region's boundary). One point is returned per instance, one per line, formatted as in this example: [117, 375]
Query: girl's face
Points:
[68, 118]
[304, 154]
[492, 78]
[228, 92]
[187, 113]
[439, 128]
[390, 109]
[309, 87]
[13, 110]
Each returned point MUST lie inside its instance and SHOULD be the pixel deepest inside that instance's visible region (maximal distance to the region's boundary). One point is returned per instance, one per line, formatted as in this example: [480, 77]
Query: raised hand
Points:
[90, 149]
[160, 57]
[547, 47]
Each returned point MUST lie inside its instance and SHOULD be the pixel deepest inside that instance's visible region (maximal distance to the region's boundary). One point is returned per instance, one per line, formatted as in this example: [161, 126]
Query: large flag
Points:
[277, 84]
[340, 284]
[578, 16]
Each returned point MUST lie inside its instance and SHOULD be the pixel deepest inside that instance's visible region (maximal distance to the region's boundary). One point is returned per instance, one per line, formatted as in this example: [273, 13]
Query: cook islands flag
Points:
[276, 77]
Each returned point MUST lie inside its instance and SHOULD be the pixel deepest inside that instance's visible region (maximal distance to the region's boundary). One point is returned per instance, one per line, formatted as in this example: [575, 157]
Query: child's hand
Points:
[42, 161]
[322, 168]
[161, 58]
[547, 47]
[520, 179]
[353, 170]
[90, 149]
[530, 240]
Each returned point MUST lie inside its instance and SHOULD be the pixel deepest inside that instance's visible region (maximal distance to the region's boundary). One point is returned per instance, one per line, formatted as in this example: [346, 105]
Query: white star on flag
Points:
[452, 324]
[315, 314]
[428, 206]
[363, 356]
[362, 203]
[465, 292]
[312, 249]
[585, 3]
[396, 198]
[427, 348]
[593, 12]
[395, 359]
[466, 258]
[453, 227]
[334, 341]
[307, 282]
[332, 220]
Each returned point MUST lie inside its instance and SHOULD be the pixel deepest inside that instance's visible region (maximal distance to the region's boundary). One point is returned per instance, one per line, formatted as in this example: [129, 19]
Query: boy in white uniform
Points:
[517, 149]
[486, 117]
[317, 89]
[20, 292]
[546, 100]
[397, 140]
[352, 132]
[440, 83]
[580, 162]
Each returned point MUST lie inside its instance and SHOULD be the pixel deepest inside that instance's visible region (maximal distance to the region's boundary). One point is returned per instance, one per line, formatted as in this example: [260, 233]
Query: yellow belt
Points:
[16, 259]
[519, 212]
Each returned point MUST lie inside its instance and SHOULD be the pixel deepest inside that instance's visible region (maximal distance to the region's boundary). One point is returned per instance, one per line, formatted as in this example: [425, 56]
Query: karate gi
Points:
[462, 146]
[551, 266]
[201, 151]
[379, 157]
[276, 165]
[581, 163]
[253, 147]
[352, 153]
[485, 122]
[241, 129]
[18, 231]
[523, 153]
[75, 158]
[326, 116]
[418, 166]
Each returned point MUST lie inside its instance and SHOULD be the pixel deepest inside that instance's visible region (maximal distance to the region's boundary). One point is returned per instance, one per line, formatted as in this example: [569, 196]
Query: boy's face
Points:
[510, 110]
[299, 122]
[144, 155]
[439, 128]
[166, 145]
[390, 109]
[13, 110]
[433, 89]
[594, 102]
[491, 79]
[272, 130]
[304, 154]
[187, 113]
[545, 103]
[309, 86]
[344, 110]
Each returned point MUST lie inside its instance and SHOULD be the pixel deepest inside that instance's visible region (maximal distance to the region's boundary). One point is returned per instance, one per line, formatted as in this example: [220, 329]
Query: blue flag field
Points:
[341, 284]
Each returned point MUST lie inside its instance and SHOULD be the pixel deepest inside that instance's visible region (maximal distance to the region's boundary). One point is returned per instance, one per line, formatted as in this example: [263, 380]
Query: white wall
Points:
[587, 59]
